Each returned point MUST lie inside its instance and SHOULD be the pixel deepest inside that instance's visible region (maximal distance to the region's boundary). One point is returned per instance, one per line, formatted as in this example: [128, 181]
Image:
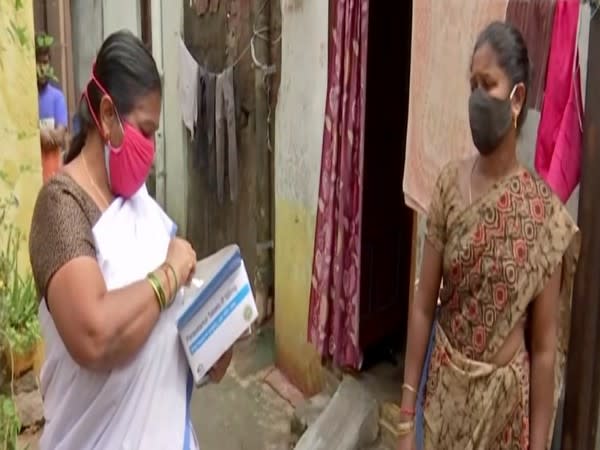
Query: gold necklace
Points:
[98, 191]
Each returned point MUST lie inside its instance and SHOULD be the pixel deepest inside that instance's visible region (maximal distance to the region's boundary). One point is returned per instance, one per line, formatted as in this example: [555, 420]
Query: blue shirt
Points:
[52, 108]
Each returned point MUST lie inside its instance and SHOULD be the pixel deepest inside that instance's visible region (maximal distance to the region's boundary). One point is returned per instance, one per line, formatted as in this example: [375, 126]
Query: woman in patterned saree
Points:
[506, 249]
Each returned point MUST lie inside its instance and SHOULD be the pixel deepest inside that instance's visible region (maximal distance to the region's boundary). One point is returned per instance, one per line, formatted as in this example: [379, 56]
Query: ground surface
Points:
[243, 412]
[251, 409]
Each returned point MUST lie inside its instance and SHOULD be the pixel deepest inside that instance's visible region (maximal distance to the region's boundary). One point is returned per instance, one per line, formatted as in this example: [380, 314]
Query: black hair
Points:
[513, 57]
[42, 51]
[126, 69]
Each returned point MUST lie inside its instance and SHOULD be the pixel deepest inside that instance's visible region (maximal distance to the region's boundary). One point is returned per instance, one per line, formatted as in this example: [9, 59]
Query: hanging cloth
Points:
[335, 287]
[188, 87]
[204, 138]
[560, 133]
[204, 6]
[226, 131]
[201, 6]
[144, 403]
[442, 43]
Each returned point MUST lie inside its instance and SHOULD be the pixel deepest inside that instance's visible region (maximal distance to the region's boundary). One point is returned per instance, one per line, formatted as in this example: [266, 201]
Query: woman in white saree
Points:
[108, 266]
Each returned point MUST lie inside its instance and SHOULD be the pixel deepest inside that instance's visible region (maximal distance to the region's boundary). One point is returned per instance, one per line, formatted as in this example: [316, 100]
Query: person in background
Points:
[53, 113]
[109, 268]
[506, 250]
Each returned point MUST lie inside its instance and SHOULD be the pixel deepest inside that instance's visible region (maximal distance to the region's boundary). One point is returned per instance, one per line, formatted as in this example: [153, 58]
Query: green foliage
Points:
[44, 40]
[18, 296]
[19, 326]
[10, 425]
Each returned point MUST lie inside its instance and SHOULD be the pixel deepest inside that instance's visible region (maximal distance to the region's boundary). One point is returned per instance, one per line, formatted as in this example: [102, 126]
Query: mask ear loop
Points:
[510, 97]
[105, 92]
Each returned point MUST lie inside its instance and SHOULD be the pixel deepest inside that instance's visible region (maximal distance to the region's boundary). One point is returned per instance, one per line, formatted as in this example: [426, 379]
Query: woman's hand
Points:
[407, 442]
[182, 257]
[219, 370]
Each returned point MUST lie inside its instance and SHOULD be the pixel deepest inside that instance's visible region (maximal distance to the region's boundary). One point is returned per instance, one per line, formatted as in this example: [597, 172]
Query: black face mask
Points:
[490, 119]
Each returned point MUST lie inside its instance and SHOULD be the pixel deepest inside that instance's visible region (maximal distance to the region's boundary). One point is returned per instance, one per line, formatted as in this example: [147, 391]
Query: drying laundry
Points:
[204, 6]
[560, 133]
[534, 18]
[188, 86]
[442, 42]
[225, 125]
[204, 142]
[201, 6]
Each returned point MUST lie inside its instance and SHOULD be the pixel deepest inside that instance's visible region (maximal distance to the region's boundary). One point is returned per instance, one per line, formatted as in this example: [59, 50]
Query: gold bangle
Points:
[161, 290]
[409, 388]
[171, 291]
[158, 290]
[169, 266]
[156, 293]
[405, 428]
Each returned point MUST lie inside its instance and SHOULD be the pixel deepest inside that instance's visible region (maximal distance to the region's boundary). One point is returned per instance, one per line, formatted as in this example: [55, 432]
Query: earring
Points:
[515, 121]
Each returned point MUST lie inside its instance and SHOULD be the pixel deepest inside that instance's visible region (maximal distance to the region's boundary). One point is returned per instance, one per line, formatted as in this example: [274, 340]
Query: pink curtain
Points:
[335, 288]
[560, 132]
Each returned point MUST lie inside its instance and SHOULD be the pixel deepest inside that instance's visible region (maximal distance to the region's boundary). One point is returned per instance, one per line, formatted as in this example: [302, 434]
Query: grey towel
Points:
[204, 142]
[225, 129]
[214, 6]
[201, 6]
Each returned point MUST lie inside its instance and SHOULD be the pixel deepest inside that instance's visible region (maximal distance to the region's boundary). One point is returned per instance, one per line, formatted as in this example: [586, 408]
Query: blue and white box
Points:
[218, 309]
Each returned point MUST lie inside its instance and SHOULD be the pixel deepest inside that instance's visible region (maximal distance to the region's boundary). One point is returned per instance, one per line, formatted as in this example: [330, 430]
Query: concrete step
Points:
[350, 421]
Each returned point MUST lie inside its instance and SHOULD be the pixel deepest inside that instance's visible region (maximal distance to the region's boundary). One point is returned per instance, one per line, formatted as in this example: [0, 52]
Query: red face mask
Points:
[129, 164]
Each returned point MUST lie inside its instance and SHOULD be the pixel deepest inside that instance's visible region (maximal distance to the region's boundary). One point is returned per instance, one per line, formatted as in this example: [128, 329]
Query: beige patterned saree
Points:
[498, 255]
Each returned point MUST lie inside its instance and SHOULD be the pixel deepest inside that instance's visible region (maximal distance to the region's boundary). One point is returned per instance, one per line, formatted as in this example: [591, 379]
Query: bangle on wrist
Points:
[159, 292]
[171, 292]
[169, 266]
[409, 388]
[406, 427]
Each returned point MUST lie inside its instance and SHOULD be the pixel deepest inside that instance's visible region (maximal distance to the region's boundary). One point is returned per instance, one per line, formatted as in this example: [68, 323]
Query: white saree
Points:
[143, 405]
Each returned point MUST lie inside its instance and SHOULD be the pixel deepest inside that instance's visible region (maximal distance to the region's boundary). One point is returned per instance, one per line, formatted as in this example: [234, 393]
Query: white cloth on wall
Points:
[188, 87]
[438, 123]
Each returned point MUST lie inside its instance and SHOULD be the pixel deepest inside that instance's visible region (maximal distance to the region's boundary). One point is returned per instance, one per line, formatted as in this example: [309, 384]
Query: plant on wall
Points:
[19, 326]
[9, 423]
[18, 299]
[44, 40]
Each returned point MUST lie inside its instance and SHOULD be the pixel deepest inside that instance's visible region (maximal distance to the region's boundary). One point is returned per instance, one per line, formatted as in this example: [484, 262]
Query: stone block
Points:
[349, 422]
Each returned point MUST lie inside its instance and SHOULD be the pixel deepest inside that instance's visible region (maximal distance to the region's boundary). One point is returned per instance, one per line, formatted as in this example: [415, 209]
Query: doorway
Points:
[387, 231]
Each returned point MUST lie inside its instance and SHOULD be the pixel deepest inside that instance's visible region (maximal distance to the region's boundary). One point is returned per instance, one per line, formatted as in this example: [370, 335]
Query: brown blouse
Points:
[61, 228]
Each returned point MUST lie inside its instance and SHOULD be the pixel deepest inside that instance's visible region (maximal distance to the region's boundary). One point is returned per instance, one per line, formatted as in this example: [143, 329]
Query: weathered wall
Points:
[87, 34]
[20, 165]
[175, 162]
[119, 14]
[216, 40]
[298, 143]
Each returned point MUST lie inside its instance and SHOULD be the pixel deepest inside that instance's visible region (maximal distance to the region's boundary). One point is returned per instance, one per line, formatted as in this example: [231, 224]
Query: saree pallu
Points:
[498, 255]
[143, 404]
